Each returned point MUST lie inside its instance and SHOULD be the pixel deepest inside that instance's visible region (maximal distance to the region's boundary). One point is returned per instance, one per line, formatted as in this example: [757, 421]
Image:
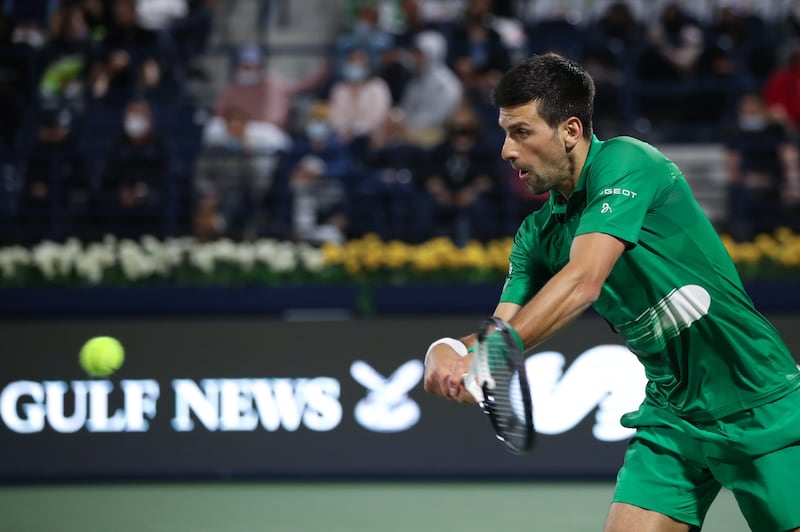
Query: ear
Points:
[572, 131]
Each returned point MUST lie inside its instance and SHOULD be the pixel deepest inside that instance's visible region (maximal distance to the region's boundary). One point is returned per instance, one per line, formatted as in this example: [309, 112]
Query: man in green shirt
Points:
[623, 233]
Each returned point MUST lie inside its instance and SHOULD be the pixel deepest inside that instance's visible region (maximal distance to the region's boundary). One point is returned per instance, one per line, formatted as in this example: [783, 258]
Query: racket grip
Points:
[472, 386]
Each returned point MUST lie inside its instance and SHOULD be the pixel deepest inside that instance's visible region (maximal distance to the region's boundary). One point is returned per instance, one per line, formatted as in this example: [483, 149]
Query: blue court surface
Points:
[319, 506]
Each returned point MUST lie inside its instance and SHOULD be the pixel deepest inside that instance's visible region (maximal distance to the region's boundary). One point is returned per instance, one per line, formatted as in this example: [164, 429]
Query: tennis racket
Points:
[499, 383]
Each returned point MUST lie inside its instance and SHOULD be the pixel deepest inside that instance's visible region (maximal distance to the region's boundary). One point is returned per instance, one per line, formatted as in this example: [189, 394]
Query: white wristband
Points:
[457, 345]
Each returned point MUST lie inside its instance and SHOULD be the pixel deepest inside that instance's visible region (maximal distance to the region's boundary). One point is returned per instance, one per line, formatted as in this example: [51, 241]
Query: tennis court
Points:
[319, 506]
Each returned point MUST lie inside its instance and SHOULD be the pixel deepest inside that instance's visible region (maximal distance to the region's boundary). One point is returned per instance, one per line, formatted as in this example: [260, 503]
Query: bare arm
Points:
[571, 291]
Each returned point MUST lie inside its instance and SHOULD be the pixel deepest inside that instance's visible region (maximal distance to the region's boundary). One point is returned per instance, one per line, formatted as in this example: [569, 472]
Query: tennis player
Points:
[622, 233]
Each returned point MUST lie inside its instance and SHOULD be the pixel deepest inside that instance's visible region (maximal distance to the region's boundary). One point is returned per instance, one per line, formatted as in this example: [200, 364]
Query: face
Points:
[539, 152]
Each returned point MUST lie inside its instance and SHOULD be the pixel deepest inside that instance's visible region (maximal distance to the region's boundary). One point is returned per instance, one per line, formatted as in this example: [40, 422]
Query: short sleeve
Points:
[526, 274]
[623, 184]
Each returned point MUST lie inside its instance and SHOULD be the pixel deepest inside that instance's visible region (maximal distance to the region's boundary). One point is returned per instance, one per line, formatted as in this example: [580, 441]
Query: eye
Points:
[522, 133]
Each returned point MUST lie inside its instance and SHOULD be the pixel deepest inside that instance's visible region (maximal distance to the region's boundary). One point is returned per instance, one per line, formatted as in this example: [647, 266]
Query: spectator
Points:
[395, 62]
[359, 101]
[30, 18]
[739, 45]
[763, 170]
[318, 213]
[159, 15]
[132, 62]
[365, 32]
[476, 48]
[264, 96]
[433, 92]
[234, 177]
[65, 58]
[461, 185]
[782, 91]
[134, 181]
[318, 139]
[674, 45]
[385, 200]
[618, 30]
[57, 192]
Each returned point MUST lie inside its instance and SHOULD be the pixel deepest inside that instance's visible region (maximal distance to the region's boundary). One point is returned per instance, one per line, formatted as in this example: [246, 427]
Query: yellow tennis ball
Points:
[101, 356]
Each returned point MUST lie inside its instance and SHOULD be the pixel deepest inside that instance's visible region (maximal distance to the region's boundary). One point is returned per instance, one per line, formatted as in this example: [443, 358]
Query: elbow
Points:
[588, 291]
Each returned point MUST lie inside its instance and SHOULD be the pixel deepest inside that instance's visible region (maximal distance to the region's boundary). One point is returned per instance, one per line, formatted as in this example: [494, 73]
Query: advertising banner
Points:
[269, 398]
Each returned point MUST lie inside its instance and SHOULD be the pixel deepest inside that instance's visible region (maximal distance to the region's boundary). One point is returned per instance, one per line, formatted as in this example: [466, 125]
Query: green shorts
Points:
[677, 468]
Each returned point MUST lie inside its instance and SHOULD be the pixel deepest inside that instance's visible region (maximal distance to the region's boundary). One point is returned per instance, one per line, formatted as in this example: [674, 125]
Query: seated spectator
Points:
[432, 93]
[359, 100]
[133, 183]
[461, 184]
[316, 137]
[364, 32]
[265, 96]
[57, 193]
[395, 62]
[131, 61]
[31, 18]
[673, 47]
[763, 171]
[618, 30]
[739, 46]
[233, 177]
[65, 58]
[476, 48]
[384, 201]
[317, 203]
[781, 89]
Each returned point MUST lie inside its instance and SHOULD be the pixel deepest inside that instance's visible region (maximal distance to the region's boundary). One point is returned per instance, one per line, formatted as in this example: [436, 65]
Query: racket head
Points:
[506, 394]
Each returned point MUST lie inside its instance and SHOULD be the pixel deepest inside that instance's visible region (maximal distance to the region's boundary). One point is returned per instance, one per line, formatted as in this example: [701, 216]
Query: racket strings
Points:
[505, 398]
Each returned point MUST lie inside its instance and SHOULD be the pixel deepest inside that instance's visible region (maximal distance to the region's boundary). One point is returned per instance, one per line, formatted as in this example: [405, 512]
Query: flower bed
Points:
[187, 262]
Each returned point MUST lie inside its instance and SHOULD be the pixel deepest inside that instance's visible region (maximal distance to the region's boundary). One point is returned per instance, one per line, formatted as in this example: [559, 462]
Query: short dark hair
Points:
[561, 87]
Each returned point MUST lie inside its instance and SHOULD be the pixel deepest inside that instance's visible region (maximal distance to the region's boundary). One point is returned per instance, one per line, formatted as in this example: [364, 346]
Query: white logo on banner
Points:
[607, 377]
[387, 407]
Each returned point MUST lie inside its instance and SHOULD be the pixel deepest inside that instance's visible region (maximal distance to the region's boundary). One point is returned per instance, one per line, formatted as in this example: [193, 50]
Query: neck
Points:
[576, 157]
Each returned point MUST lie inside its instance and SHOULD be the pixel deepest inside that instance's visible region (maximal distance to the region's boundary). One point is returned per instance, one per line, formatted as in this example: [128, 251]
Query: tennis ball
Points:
[101, 356]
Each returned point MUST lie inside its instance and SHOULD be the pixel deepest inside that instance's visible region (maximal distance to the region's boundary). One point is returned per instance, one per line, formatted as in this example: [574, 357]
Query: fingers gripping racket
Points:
[498, 382]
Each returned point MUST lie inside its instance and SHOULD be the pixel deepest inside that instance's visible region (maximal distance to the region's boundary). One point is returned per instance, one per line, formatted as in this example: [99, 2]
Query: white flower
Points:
[202, 258]
[310, 257]
[12, 258]
[135, 263]
[45, 257]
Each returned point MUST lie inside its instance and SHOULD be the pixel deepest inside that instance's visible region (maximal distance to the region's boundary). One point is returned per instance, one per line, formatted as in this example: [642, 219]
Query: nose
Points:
[509, 150]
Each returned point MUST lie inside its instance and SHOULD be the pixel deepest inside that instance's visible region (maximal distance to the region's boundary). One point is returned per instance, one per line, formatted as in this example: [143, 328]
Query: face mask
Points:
[247, 77]
[136, 126]
[752, 123]
[354, 72]
[317, 130]
[235, 144]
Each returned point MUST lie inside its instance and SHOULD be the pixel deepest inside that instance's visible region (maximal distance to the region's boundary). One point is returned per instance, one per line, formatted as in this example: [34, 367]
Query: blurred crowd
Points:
[106, 125]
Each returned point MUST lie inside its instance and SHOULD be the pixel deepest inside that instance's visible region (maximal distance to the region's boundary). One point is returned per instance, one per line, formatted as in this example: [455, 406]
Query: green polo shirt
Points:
[674, 295]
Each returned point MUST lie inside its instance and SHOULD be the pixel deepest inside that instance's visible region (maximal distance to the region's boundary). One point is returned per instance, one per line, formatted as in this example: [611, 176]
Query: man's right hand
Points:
[444, 369]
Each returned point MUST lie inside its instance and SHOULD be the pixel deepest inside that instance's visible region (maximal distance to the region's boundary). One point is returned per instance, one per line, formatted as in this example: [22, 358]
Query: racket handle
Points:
[472, 386]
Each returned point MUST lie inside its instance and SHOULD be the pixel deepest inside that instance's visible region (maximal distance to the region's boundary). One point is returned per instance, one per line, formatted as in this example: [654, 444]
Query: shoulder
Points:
[623, 149]
[626, 156]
